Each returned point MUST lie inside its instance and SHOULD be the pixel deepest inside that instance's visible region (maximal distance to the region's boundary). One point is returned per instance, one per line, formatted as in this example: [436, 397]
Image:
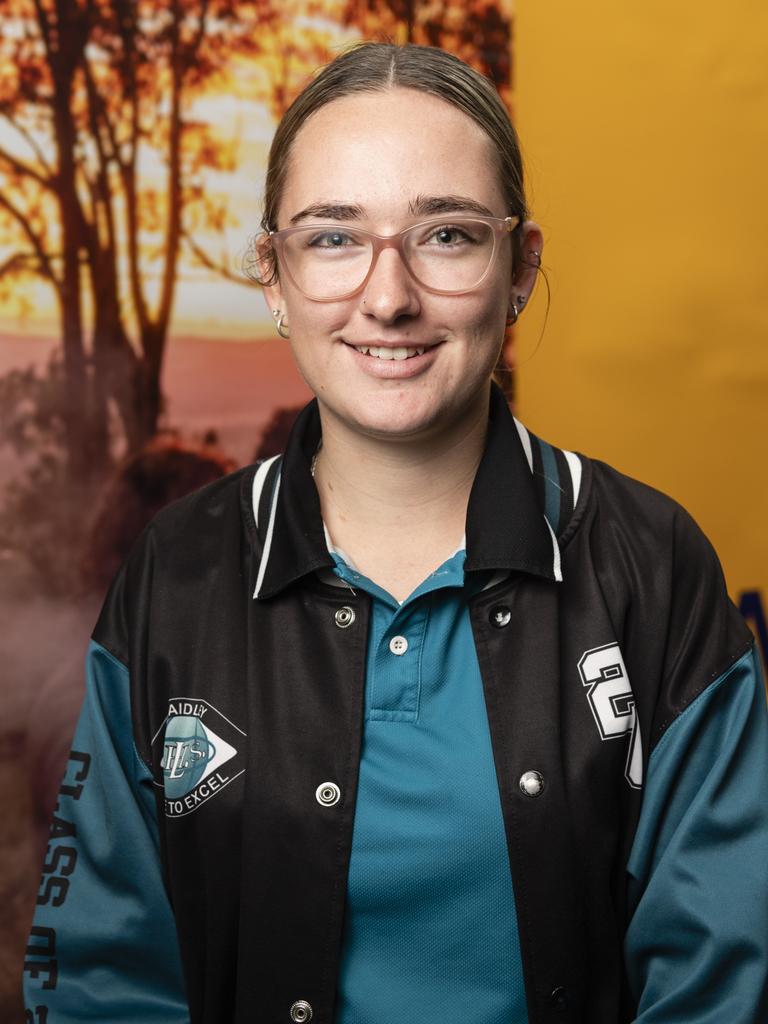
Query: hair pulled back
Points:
[378, 67]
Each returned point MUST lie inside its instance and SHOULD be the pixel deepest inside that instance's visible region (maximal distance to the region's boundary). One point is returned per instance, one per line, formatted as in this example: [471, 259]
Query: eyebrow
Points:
[420, 206]
[330, 210]
[448, 204]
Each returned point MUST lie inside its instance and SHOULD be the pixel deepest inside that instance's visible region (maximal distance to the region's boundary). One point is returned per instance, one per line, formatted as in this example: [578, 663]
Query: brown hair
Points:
[377, 67]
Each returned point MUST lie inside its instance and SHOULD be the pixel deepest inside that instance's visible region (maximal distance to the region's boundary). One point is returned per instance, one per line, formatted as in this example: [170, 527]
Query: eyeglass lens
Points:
[326, 263]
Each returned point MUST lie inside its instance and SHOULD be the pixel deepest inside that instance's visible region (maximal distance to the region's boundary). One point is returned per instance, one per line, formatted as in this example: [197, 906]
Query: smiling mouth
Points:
[382, 352]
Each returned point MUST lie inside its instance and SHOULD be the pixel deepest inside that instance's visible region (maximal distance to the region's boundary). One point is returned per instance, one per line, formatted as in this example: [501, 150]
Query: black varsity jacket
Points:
[608, 650]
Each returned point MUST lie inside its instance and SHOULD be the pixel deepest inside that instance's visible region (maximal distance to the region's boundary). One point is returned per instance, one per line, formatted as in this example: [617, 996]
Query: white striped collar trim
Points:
[259, 480]
[574, 464]
[556, 566]
[525, 440]
[260, 476]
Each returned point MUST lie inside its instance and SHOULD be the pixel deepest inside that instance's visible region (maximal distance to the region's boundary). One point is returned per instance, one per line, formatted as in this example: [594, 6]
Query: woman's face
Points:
[387, 153]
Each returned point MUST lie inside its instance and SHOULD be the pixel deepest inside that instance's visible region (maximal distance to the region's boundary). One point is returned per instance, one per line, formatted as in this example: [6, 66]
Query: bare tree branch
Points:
[173, 224]
[46, 268]
[99, 118]
[126, 20]
[30, 140]
[211, 264]
[20, 261]
[202, 28]
[45, 27]
[101, 194]
[24, 169]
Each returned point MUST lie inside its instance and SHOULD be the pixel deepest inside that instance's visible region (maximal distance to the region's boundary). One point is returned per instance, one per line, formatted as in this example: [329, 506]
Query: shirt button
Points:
[398, 645]
[500, 616]
[301, 1011]
[344, 617]
[532, 783]
[327, 794]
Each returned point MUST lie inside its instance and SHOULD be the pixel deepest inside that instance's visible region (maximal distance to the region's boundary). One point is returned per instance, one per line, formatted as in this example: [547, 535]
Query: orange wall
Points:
[645, 133]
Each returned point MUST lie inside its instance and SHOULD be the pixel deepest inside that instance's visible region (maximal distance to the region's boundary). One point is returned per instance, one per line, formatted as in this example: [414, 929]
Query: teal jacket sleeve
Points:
[697, 944]
[103, 945]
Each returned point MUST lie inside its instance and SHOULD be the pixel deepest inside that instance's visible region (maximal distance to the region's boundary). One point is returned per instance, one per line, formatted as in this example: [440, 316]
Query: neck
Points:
[408, 496]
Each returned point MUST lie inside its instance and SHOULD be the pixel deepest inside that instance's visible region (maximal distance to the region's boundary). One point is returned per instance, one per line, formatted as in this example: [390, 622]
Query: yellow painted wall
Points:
[645, 134]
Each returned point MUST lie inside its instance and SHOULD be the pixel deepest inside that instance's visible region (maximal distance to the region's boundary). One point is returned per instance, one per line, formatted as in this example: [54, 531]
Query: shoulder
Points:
[662, 579]
[176, 554]
[207, 504]
[644, 534]
[577, 492]
[638, 514]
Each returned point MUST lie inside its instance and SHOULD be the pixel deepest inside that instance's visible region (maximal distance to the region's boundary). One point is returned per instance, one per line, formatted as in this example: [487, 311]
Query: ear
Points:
[527, 271]
[265, 270]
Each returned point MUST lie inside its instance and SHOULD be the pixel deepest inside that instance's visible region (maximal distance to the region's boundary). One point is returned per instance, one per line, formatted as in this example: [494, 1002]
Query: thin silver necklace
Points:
[313, 463]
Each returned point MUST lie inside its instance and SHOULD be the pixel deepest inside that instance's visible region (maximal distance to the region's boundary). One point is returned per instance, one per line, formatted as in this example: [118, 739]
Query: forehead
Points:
[379, 150]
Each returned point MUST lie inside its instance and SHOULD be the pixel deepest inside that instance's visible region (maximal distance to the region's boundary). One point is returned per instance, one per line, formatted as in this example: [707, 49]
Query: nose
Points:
[390, 291]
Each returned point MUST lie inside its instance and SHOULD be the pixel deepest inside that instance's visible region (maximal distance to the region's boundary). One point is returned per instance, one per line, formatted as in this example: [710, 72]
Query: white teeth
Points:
[389, 353]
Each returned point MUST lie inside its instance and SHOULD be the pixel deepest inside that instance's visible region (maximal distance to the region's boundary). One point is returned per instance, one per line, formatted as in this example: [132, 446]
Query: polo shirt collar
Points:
[505, 530]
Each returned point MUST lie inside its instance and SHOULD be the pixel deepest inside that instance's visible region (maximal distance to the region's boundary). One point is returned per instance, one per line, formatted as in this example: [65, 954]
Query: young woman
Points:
[425, 720]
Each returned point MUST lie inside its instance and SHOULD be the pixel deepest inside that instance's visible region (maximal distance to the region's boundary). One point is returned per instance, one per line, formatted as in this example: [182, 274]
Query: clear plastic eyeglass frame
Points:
[501, 226]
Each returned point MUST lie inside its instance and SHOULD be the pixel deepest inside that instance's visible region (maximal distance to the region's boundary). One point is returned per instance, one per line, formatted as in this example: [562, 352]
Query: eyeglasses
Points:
[447, 256]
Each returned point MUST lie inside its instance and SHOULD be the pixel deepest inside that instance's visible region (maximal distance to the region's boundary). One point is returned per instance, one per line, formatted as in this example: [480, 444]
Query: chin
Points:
[399, 416]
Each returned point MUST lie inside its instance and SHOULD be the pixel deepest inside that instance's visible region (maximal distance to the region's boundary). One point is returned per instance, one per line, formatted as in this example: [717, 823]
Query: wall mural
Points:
[137, 362]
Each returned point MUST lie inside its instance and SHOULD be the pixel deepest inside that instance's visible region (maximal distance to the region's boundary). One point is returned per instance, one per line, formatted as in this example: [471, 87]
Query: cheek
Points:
[316, 319]
[313, 326]
[484, 324]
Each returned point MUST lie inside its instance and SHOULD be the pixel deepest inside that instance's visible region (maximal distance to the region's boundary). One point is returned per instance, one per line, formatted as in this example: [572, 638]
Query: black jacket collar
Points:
[506, 528]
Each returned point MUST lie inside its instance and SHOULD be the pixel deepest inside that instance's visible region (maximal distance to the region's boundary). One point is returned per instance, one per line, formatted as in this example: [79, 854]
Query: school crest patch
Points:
[202, 752]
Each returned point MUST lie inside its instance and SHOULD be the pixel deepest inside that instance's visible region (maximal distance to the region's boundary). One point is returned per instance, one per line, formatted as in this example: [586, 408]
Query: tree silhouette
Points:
[478, 31]
[95, 91]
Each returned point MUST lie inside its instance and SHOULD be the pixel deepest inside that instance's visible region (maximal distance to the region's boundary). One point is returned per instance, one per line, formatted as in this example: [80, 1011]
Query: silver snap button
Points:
[327, 794]
[398, 645]
[344, 617]
[500, 616]
[301, 1011]
[532, 783]
[559, 998]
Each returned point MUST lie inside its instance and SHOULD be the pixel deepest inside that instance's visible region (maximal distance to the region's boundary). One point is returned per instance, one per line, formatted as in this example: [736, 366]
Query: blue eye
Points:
[330, 240]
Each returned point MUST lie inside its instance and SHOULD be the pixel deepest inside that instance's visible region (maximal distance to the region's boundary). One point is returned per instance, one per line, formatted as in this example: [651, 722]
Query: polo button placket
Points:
[398, 645]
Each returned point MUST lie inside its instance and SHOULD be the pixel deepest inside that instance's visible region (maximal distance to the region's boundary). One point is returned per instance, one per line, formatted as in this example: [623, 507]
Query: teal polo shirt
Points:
[430, 928]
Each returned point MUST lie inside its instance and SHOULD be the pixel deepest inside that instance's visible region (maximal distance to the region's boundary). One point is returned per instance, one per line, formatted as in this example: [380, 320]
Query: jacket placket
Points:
[516, 631]
[307, 653]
